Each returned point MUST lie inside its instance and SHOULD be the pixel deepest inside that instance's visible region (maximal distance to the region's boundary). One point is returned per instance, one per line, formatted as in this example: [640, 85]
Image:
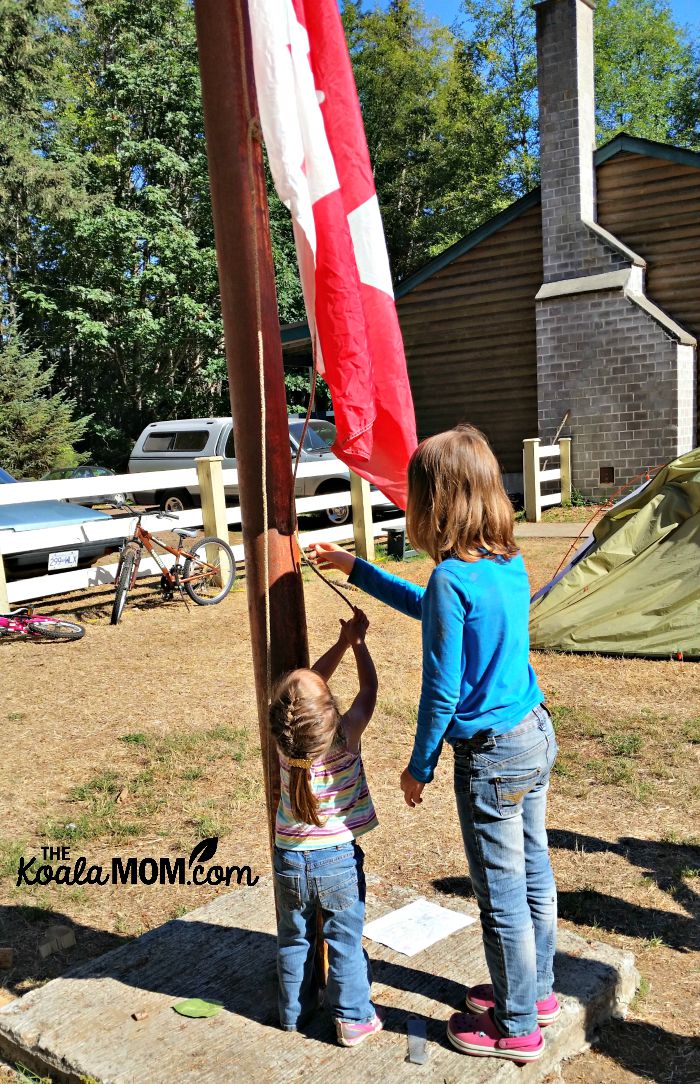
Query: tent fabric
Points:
[636, 590]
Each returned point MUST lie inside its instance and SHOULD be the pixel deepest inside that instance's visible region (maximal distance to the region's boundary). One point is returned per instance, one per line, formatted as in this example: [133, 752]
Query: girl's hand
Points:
[411, 788]
[353, 631]
[328, 555]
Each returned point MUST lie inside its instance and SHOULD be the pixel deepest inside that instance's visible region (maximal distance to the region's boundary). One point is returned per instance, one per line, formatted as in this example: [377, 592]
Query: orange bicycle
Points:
[206, 571]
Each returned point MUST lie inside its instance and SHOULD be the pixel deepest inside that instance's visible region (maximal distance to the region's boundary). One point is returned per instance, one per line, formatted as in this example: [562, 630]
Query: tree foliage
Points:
[643, 65]
[647, 74]
[435, 135]
[33, 186]
[37, 428]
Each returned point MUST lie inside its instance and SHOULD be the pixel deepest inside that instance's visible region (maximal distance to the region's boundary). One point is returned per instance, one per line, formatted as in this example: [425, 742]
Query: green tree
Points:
[124, 290]
[643, 67]
[33, 38]
[434, 135]
[647, 74]
[37, 428]
[501, 38]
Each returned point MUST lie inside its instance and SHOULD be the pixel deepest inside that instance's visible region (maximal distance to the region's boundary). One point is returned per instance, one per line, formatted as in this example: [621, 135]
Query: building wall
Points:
[612, 365]
[653, 205]
[469, 335]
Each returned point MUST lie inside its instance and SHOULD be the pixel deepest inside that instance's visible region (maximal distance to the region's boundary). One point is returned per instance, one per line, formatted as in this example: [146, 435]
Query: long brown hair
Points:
[457, 506]
[305, 723]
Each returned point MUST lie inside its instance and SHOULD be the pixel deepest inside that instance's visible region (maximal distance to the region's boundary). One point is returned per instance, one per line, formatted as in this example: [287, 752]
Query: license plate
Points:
[67, 559]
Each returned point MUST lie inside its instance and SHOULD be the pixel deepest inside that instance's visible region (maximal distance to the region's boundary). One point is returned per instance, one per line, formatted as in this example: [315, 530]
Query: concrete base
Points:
[81, 1025]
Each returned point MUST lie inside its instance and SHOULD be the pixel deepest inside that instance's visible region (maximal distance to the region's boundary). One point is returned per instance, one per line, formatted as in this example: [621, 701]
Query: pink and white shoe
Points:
[480, 999]
[352, 1033]
[480, 1036]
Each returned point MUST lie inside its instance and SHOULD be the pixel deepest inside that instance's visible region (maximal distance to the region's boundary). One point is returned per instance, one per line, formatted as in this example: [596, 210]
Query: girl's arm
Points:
[355, 720]
[327, 665]
[444, 611]
[400, 594]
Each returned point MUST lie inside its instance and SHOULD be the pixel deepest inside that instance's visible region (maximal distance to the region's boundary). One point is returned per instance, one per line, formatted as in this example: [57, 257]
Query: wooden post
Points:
[252, 337]
[211, 492]
[4, 600]
[565, 467]
[531, 480]
[362, 523]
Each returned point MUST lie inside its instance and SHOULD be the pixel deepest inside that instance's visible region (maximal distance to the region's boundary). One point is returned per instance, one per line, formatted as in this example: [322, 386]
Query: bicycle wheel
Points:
[209, 571]
[126, 572]
[49, 629]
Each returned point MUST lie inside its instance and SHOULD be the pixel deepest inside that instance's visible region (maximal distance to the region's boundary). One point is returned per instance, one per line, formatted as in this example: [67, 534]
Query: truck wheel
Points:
[175, 500]
[340, 515]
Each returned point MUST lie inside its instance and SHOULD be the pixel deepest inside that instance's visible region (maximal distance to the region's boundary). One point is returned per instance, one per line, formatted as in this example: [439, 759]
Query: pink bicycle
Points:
[24, 622]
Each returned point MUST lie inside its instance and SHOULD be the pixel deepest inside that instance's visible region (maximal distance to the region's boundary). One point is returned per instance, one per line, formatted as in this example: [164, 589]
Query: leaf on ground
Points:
[196, 1008]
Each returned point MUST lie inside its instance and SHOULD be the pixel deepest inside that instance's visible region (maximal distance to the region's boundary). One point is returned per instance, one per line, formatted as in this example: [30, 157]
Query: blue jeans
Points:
[331, 880]
[501, 784]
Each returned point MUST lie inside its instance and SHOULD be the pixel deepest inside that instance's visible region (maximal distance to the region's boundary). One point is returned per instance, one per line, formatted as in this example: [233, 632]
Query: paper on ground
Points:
[416, 926]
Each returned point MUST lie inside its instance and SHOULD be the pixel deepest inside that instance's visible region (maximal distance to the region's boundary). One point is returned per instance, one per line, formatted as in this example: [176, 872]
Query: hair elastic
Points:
[299, 762]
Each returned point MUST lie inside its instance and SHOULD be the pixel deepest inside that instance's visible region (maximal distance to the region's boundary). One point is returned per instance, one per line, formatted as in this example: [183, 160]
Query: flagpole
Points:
[252, 337]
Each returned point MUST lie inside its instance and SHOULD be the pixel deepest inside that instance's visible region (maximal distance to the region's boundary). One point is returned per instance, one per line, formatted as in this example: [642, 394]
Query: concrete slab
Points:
[81, 1025]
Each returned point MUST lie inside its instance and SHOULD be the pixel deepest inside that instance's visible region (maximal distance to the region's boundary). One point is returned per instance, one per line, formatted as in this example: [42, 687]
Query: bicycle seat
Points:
[186, 532]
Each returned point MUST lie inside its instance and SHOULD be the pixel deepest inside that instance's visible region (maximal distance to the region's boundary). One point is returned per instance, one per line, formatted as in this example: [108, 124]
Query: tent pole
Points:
[244, 257]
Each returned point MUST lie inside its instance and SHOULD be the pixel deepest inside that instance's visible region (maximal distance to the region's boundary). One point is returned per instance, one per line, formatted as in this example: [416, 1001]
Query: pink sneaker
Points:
[480, 998]
[351, 1033]
[481, 1036]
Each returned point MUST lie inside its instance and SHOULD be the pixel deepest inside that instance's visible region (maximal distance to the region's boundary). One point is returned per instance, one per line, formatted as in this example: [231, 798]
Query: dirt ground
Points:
[141, 739]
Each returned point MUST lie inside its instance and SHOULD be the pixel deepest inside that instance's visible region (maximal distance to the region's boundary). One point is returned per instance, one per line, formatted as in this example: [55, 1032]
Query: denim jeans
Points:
[331, 880]
[501, 784]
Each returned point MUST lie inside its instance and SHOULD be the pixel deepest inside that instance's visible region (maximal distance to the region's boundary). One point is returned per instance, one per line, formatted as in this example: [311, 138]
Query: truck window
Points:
[191, 440]
[230, 449]
[158, 442]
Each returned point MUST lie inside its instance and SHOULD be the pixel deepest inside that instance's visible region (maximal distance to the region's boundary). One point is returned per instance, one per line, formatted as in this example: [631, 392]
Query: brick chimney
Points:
[624, 369]
[574, 244]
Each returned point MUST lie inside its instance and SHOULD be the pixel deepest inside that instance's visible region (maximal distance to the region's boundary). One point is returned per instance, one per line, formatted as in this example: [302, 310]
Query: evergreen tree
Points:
[33, 186]
[37, 428]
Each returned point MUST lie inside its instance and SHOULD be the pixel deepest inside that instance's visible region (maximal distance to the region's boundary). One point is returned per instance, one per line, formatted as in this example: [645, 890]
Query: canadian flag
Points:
[316, 145]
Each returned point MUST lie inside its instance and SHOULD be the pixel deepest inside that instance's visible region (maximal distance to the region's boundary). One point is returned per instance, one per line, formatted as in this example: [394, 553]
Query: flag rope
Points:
[304, 558]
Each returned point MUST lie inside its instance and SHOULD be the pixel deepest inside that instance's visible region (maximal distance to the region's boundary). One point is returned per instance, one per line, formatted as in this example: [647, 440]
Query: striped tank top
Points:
[345, 806]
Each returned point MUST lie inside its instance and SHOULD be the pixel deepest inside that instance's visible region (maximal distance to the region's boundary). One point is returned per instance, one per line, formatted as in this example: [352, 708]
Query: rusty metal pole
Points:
[249, 305]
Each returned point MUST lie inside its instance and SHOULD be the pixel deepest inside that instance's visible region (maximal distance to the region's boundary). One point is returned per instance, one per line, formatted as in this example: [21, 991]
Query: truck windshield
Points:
[5, 477]
[313, 440]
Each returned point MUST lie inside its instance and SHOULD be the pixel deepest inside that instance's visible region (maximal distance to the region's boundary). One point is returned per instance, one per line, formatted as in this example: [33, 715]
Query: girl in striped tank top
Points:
[325, 805]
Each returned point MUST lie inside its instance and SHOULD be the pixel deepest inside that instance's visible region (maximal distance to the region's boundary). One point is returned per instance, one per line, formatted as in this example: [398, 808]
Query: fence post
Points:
[565, 467]
[211, 491]
[362, 525]
[531, 480]
[4, 600]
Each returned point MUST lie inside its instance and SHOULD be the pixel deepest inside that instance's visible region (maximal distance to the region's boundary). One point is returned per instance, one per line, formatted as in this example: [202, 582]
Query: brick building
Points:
[582, 296]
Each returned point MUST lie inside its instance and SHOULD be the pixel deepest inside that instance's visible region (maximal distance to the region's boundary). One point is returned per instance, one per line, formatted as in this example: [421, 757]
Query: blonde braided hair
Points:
[305, 723]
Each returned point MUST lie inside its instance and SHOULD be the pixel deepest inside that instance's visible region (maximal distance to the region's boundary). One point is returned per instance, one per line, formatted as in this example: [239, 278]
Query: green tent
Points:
[635, 588]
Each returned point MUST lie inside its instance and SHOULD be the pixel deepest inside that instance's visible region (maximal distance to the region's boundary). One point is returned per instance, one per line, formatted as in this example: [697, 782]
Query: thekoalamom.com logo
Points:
[58, 867]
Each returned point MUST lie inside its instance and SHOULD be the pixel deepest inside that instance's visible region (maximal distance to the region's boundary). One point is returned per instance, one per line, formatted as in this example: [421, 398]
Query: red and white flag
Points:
[316, 145]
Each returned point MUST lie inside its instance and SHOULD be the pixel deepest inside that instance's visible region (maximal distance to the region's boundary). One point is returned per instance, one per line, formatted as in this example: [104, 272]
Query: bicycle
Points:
[24, 622]
[206, 573]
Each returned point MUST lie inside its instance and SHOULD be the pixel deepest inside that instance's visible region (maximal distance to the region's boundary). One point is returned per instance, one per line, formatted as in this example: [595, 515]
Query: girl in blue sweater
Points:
[480, 695]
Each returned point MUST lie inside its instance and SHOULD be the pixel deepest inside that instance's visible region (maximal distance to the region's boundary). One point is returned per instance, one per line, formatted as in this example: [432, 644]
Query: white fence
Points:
[363, 529]
[534, 477]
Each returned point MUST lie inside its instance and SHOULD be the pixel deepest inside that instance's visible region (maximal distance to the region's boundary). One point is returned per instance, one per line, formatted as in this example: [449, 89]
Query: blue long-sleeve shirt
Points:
[476, 670]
